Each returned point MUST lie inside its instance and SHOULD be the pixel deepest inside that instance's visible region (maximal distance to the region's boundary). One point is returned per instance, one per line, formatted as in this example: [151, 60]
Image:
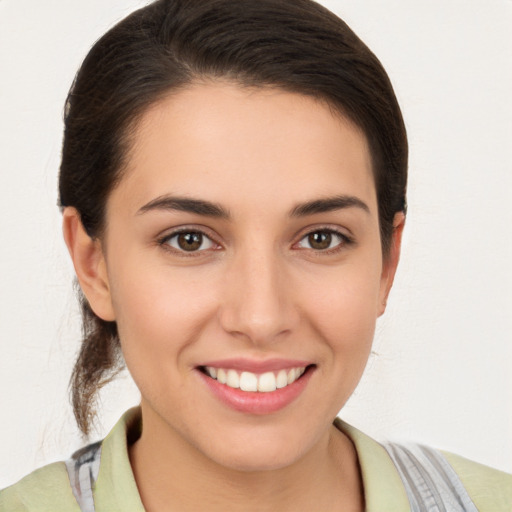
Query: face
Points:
[243, 265]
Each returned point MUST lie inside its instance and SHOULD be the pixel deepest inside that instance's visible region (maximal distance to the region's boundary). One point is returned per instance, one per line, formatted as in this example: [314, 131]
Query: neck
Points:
[171, 474]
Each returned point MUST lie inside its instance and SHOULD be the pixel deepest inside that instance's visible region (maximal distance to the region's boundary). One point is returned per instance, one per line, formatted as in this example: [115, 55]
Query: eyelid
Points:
[163, 239]
[347, 238]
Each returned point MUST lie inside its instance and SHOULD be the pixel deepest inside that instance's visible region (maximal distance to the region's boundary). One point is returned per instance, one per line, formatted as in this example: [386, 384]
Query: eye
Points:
[323, 240]
[189, 241]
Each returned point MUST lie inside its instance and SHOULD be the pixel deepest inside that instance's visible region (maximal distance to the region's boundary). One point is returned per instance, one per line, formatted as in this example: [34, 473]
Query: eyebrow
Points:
[214, 210]
[328, 204]
[185, 204]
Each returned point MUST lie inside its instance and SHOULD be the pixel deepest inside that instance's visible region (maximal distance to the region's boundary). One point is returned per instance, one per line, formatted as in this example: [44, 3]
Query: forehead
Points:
[223, 141]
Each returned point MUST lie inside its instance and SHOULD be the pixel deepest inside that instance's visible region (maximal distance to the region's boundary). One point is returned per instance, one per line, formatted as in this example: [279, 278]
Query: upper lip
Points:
[257, 366]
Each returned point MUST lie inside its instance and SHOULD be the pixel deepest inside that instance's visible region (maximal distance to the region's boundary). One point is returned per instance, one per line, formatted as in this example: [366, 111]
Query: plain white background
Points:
[441, 372]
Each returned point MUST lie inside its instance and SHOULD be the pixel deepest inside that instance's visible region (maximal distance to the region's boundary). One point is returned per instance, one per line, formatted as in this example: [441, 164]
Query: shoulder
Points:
[431, 475]
[100, 471]
[490, 489]
[47, 489]
[396, 475]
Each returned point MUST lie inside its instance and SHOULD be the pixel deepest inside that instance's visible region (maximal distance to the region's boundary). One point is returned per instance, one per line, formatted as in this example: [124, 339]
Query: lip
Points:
[257, 403]
[255, 366]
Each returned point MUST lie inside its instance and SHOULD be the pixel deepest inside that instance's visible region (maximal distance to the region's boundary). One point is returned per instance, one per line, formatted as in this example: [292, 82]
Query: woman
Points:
[233, 189]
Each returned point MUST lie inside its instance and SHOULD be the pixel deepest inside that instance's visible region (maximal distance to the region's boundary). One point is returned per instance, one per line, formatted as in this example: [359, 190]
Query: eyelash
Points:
[164, 242]
[344, 240]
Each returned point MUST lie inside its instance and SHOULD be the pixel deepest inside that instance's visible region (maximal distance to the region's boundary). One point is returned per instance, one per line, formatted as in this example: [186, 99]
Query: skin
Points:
[258, 290]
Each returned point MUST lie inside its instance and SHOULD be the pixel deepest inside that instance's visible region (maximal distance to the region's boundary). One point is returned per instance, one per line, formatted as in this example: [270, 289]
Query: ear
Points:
[89, 263]
[391, 262]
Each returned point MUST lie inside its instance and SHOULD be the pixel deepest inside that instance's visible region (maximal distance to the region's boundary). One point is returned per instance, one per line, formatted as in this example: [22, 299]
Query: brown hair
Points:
[296, 45]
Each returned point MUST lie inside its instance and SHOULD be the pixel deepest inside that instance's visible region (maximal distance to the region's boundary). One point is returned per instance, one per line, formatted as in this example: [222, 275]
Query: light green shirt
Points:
[48, 489]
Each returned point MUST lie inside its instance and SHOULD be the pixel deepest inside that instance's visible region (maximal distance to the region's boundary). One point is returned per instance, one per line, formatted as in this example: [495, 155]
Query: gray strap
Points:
[430, 482]
[83, 468]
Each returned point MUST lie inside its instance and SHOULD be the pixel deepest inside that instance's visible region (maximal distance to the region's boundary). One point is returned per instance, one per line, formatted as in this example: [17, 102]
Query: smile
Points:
[256, 388]
[253, 382]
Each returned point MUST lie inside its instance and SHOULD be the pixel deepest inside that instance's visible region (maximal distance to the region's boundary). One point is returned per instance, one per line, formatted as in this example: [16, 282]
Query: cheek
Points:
[159, 321]
[159, 311]
[344, 307]
[349, 293]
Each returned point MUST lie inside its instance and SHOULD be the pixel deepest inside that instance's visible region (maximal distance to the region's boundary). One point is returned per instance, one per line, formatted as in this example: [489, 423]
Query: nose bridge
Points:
[257, 302]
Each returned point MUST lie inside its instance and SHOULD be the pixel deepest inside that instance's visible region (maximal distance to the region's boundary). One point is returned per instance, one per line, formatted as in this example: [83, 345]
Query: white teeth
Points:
[267, 382]
[292, 375]
[249, 381]
[233, 380]
[282, 379]
[221, 376]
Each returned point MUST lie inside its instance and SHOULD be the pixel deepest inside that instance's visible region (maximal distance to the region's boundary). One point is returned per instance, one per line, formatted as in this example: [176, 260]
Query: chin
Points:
[253, 461]
[260, 450]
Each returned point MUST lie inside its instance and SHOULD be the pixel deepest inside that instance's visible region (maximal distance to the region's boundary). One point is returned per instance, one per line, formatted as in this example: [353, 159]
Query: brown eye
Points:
[323, 240]
[189, 241]
[320, 240]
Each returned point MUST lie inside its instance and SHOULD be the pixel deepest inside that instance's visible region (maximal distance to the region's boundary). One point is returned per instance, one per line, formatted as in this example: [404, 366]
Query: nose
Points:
[258, 300]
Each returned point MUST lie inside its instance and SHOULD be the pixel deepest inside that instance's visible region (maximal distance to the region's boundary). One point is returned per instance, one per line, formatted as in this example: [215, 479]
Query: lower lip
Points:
[256, 402]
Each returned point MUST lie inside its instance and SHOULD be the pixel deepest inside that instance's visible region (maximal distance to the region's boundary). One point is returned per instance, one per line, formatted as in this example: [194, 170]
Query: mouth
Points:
[256, 392]
[266, 382]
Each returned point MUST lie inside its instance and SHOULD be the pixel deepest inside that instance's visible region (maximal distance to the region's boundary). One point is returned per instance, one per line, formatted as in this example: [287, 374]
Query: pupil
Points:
[320, 240]
[190, 241]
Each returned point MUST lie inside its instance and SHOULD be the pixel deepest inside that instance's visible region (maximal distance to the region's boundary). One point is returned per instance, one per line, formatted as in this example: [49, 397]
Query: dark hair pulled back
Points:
[295, 45]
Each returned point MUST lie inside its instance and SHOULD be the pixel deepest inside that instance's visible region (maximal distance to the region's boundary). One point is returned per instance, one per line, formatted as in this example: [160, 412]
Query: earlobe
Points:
[391, 263]
[89, 262]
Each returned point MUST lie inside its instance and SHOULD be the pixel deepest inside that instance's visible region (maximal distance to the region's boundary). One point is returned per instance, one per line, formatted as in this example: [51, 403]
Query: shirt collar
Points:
[383, 487]
[116, 488]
